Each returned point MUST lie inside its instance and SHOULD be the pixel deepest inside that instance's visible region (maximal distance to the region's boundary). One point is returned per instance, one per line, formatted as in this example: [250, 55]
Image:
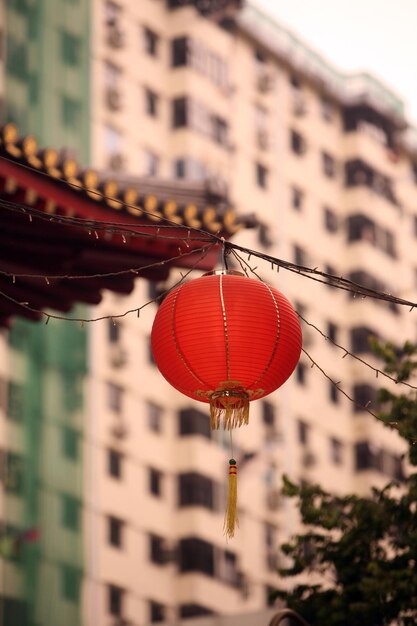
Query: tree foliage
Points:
[361, 553]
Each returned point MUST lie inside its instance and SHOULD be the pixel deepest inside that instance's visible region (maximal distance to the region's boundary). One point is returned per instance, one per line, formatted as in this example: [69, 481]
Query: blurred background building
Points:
[119, 478]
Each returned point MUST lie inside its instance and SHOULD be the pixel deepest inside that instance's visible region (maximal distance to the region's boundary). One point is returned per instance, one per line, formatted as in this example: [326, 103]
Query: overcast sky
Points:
[375, 35]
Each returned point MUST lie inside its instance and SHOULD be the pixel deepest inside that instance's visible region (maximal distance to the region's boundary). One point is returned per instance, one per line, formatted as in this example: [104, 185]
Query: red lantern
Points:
[226, 339]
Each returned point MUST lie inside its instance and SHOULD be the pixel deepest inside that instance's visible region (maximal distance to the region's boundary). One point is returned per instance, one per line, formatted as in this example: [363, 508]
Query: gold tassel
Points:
[230, 408]
[231, 518]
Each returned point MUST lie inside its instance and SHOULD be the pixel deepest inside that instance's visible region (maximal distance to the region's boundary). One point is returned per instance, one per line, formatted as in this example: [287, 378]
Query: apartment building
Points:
[219, 92]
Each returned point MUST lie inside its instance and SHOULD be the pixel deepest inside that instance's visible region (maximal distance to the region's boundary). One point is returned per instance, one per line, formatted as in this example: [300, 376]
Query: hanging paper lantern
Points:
[226, 339]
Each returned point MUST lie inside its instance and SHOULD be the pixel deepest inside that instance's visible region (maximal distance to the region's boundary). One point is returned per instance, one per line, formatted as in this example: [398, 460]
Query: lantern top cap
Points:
[223, 272]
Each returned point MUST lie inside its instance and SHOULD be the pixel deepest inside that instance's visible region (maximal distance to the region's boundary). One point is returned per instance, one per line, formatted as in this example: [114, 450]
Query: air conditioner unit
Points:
[308, 459]
[113, 99]
[116, 161]
[299, 105]
[115, 37]
[273, 499]
[265, 81]
[119, 430]
[262, 137]
[118, 356]
[272, 560]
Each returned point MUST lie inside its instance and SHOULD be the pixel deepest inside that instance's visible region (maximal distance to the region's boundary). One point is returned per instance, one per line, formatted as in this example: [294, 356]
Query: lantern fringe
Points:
[231, 411]
[231, 519]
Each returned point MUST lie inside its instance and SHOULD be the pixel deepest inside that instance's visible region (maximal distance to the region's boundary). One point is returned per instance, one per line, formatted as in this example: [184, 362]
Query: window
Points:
[333, 393]
[364, 395]
[300, 257]
[303, 432]
[114, 463]
[179, 52]
[151, 360]
[157, 551]
[156, 612]
[297, 198]
[112, 75]
[297, 142]
[331, 222]
[268, 413]
[194, 422]
[301, 373]
[369, 456]
[332, 331]
[326, 109]
[70, 583]
[151, 102]
[336, 449]
[12, 472]
[414, 172]
[70, 512]
[329, 165]
[15, 401]
[196, 555]
[114, 397]
[330, 269]
[112, 13]
[70, 112]
[194, 610]
[154, 412]
[220, 130]
[261, 176]
[71, 46]
[360, 339]
[358, 172]
[195, 490]
[70, 443]
[151, 41]
[155, 481]
[179, 168]
[112, 140]
[295, 81]
[115, 600]
[179, 113]
[114, 531]
[113, 331]
[151, 163]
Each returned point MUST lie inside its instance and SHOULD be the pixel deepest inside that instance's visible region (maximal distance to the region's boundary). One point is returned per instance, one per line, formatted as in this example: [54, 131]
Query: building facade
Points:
[218, 92]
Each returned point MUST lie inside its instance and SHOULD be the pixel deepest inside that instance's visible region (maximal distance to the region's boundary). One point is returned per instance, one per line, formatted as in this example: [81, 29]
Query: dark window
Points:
[220, 130]
[261, 176]
[300, 257]
[70, 583]
[364, 395]
[361, 227]
[332, 331]
[114, 463]
[12, 472]
[155, 413]
[260, 55]
[15, 401]
[70, 512]
[196, 555]
[330, 269]
[70, 112]
[336, 449]
[157, 552]
[301, 373]
[358, 173]
[268, 413]
[113, 331]
[115, 531]
[70, 48]
[331, 222]
[297, 198]
[295, 81]
[329, 165]
[195, 490]
[194, 422]
[360, 339]
[156, 612]
[155, 481]
[115, 600]
[334, 394]
[151, 102]
[297, 142]
[179, 52]
[70, 442]
[151, 40]
[367, 456]
[114, 397]
[179, 168]
[179, 112]
[194, 610]
[303, 432]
